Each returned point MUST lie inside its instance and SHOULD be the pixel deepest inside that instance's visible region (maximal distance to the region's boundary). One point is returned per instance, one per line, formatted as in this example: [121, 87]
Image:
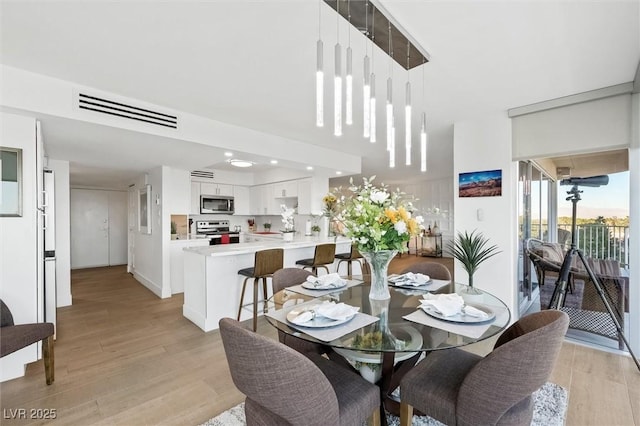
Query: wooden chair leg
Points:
[264, 295]
[255, 304]
[349, 269]
[406, 414]
[374, 419]
[49, 359]
[244, 286]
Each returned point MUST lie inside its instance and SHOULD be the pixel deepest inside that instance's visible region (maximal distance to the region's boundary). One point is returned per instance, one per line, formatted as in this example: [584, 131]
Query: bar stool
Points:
[323, 256]
[265, 264]
[353, 256]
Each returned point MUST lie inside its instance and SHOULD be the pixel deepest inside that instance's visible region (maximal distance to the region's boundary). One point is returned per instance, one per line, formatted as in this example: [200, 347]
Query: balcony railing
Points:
[598, 241]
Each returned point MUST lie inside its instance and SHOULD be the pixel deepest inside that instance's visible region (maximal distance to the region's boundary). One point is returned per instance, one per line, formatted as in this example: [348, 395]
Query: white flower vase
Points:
[287, 236]
[379, 261]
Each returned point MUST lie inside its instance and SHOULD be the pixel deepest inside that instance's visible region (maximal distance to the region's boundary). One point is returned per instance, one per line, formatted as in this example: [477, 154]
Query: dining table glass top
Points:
[396, 325]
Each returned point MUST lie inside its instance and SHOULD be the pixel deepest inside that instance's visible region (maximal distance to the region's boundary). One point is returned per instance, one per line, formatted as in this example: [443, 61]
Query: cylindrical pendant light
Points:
[319, 74]
[337, 92]
[392, 145]
[349, 90]
[372, 108]
[366, 98]
[389, 112]
[423, 143]
[407, 125]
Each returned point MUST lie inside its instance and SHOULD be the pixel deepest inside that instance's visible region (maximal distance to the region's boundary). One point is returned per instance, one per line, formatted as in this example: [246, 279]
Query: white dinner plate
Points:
[318, 321]
[312, 286]
[394, 282]
[461, 318]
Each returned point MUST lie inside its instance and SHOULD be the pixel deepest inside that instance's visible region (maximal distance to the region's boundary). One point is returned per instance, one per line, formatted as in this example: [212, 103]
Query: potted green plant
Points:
[267, 226]
[471, 249]
[174, 231]
[315, 229]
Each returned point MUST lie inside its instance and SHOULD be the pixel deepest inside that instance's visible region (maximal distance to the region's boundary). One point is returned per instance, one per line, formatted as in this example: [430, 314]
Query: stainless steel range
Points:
[217, 231]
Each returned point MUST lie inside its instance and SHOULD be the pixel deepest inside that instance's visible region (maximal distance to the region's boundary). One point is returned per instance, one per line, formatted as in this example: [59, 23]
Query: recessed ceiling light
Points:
[338, 172]
[240, 163]
[309, 168]
[274, 161]
[228, 154]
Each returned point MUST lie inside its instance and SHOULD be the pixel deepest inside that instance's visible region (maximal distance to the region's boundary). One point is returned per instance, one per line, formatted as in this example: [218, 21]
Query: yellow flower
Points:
[391, 215]
[402, 212]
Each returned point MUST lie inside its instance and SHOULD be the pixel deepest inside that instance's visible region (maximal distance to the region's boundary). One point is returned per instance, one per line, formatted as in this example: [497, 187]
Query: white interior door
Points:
[89, 228]
[117, 227]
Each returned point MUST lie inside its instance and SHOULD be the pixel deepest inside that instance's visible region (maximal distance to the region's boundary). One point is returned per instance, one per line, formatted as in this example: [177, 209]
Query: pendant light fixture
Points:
[337, 81]
[366, 80]
[423, 130]
[407, 114]
[372, 82]
[392, 145]
[389, 106]
[319, 74]
[349, 77]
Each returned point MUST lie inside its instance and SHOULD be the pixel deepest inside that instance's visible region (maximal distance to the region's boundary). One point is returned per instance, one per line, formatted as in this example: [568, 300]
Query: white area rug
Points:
[550, 408]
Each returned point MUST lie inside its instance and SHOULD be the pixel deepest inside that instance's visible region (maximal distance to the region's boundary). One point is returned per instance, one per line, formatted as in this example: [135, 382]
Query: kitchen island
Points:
[211, 282]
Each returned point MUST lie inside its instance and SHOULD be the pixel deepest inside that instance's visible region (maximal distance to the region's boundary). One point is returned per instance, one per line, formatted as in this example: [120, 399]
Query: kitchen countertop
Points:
[266, 243]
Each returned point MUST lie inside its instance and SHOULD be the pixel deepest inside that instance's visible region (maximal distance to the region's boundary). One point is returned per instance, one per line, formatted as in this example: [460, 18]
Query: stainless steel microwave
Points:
[216, 204]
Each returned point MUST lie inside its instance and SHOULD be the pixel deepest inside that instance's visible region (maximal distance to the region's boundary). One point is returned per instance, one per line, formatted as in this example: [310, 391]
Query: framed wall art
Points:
[11, 183]
[487, 183]
[144, 212]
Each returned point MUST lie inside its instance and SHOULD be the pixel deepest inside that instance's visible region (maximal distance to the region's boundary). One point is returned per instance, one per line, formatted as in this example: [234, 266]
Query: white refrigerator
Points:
[49, 256]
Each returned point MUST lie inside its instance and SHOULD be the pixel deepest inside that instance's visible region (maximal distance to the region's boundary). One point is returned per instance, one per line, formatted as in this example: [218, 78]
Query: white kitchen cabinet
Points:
[195, 197]
[304, 197]
[262, 200]
[242, 200]
[310, 194]
[216, 189]
[285, 189]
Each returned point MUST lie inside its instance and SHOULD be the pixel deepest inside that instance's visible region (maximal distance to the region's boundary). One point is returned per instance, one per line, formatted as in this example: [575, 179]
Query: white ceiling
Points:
[252, 63]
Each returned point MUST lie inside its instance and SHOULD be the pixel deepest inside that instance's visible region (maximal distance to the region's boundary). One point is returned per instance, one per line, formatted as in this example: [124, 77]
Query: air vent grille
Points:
[202, 174]
[119, 109]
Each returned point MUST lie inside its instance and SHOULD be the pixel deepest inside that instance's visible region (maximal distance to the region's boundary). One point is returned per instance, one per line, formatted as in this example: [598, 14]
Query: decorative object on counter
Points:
[288, 223]
[380, 223]
[307, 229]
[315, 230]
[174, 231]
[267, 226]
[330, 210]
[471, 249]
[436, 229]
[252, 223]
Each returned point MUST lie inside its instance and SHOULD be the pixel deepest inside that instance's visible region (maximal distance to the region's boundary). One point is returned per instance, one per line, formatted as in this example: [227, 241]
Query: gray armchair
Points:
[283, 387]
[15, 337]
[460, 388]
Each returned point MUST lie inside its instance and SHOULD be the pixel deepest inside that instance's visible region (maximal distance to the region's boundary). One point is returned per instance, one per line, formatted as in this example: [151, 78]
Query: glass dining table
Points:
[386, 338]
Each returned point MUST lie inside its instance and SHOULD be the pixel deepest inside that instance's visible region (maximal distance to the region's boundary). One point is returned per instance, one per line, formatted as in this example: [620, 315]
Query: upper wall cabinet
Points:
[216, 189]
[242, 200]
[285, 189]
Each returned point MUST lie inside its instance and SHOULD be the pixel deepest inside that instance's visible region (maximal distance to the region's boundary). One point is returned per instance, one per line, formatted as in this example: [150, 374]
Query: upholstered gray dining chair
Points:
[282, 279]
[283, 387]
[433, 269]
[15, 337]
[457, 387]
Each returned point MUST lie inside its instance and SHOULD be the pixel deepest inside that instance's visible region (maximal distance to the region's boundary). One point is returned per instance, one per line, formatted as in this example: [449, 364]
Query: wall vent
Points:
[202, 174]
[119, 109]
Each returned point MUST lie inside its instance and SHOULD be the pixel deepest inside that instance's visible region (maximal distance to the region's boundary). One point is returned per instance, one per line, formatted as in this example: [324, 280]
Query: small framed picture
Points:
[11, 182]
[486, 183]
[144, 212]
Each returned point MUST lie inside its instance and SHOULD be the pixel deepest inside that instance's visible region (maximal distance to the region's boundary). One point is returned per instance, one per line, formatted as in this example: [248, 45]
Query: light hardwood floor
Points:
[123, 356]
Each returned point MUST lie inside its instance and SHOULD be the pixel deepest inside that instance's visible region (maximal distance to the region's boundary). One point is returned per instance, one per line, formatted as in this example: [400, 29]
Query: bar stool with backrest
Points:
[265, 264]
[353, 256]
[324, 255]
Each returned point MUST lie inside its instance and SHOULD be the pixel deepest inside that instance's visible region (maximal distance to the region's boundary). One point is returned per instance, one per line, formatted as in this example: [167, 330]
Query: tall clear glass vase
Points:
[379, 263]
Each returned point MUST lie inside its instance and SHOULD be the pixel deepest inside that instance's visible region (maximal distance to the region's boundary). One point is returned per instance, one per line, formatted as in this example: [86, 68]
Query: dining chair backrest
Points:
[433, 269]
[324, 254]
[277, 378]
[287, 277]
[521, 362]
[268, 261]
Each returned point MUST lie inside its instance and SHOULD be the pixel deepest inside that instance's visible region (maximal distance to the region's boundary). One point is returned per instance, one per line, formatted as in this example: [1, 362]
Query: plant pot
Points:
[288, 236]
[371, 375]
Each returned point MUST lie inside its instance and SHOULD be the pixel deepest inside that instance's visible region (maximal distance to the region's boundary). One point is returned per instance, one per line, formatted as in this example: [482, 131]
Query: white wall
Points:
[63, 231]
[18, 248]
[485, 144]
[148, 248]
[174, 200]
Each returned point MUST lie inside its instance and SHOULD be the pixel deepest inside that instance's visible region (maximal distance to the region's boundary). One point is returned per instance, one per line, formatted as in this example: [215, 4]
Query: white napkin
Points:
[340, 311]
[445, 304]
[304, 317]
[474, 312]
[326, 281]
[413, 279]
